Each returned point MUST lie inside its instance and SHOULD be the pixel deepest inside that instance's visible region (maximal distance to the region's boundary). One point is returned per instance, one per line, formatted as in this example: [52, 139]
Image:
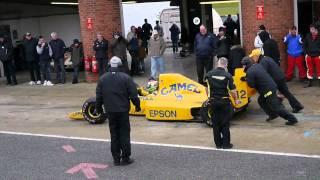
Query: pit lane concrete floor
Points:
[44, 110]
[34, 157]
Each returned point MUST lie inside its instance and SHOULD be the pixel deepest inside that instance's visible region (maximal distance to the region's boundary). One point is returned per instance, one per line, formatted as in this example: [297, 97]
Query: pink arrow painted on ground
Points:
[68, 148]
[87, 169]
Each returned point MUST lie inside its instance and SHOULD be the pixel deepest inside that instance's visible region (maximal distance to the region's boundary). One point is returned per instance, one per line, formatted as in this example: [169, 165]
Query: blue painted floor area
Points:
[42, 158]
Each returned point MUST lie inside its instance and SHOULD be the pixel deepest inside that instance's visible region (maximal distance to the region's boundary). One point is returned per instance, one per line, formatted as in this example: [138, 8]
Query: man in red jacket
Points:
[312, 50]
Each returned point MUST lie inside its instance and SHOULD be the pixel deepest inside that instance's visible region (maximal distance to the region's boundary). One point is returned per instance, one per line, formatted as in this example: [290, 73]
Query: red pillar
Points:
[106, 19]
[278, 18]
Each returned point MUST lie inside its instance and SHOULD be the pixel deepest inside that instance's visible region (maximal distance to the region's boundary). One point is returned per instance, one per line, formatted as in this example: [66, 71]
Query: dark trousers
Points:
[175, 46]
[272, 106]
[101, 66]
[10, 72]
[119, 126]
[125, 66]
[283, 88]
[34, 69]
[134, 62]
[222, 112]
[145, 44]
[203, 63]
[45, 70]
[75, 73]
[60, 70]
[141, 64]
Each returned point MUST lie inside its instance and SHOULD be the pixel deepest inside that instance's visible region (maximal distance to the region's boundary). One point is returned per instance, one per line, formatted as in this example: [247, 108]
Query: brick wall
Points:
[106, 19]
[279, 17]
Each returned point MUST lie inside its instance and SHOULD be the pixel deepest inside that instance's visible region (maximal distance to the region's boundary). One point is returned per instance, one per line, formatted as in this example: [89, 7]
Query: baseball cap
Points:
[28, 34]
[255, 52]
[115, 61]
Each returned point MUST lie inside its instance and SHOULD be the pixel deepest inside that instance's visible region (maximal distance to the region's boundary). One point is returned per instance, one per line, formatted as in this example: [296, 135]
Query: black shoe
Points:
[270, 118]
[8, 83]
[230, 146]
[291, 123]
[126, 161]
[14, 83]
[296, 110]
[219, 147]
[75, 82]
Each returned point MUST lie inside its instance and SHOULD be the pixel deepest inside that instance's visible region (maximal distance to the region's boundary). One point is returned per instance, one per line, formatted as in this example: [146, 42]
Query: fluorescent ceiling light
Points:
[218, 2]
[129, 2]
[65, 3]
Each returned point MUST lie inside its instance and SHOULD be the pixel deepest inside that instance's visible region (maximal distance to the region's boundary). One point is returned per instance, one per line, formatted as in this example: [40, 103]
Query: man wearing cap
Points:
[258, 78]
[76, 50]
[6, 58]
[31, 56]
[205, 46]
[220, 84]
[58, 49]
[114, 91]
[278, 76]
[294, 43]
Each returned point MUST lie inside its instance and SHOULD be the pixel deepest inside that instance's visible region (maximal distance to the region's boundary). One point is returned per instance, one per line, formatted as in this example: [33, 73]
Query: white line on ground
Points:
[167, 145]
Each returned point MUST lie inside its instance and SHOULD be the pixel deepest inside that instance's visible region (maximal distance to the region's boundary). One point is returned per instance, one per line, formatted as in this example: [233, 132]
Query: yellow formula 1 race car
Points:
[176, 98]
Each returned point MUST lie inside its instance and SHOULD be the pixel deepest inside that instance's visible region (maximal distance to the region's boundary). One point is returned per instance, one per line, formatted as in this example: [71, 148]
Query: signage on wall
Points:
[260, 12]
[89, 23]
[196, 21]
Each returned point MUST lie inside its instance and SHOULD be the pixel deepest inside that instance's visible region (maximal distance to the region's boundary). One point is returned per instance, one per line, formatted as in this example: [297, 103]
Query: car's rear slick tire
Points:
[89, 114]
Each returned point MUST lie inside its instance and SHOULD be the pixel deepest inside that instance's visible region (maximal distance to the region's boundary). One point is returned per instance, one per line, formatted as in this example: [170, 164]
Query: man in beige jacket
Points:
[157, 46]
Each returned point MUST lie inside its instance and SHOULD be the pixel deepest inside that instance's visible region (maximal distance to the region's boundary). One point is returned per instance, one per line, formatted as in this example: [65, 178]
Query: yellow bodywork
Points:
[179, 96]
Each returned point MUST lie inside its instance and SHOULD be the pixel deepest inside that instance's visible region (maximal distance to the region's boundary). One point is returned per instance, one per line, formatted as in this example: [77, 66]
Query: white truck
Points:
[167, 18]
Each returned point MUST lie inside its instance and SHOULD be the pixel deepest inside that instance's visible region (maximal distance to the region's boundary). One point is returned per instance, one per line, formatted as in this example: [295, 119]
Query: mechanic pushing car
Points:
[258, 78]
[278, 76]
[114, 91]
[220, 83]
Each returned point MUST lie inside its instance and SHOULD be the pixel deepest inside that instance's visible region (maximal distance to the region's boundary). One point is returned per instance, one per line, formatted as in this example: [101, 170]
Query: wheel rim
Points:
[92, 113]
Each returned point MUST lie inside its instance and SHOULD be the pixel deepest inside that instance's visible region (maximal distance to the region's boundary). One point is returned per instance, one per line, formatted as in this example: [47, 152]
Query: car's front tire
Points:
[90, 114]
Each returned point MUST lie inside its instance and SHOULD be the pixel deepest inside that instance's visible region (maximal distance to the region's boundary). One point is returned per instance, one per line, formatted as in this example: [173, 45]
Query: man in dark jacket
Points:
[76, 50]
[230, 27]
[235, 56]
[100, 46]
[205, 45]
[114, 91]
[312, 51]
[175, 31]
[146, 33]
[45, 53]
[133, 47]
[271, 48]
[278, 76]
[31, 56]
[223, 46]
[6, 58]
[258, 78]
[58, 50]
[119, 48]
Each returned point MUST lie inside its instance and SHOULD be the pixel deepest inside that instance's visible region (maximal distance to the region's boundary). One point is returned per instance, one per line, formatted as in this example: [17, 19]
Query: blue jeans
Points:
[155, 61]
[45, 70]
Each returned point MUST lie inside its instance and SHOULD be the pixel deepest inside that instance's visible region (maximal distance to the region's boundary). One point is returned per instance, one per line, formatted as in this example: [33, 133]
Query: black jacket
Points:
[258, 78]
[223, 47]
[312, 46]
[6, 50]
[58, 48]
[272, 68]
[30, 49]
[235, 56]
[115, 90]
[271, 49]
[101, 49]
[205, 45]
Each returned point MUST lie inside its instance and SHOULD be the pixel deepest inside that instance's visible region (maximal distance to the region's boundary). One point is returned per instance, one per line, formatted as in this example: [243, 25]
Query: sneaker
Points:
[45, 83]
[38, 82]
[49, 83]
[116, 162]
[31, 83]
[126, 161]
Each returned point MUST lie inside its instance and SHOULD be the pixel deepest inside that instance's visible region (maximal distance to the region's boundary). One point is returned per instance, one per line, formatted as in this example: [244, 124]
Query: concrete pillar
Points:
[106, 16]
[279, 17]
